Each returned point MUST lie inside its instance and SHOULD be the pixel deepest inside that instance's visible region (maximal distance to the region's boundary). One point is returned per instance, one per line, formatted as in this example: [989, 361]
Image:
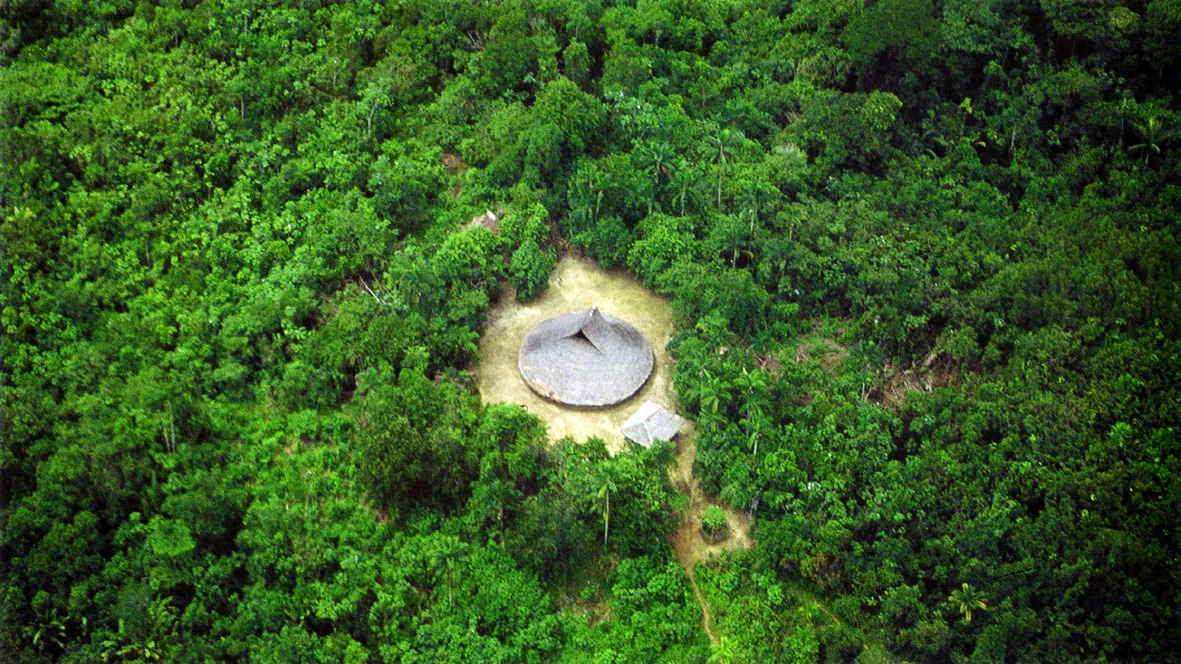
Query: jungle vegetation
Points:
[923, 256]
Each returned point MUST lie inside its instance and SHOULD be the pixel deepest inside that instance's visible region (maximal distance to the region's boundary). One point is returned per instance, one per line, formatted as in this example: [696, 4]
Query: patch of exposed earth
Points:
[689, 543]
[578, 283]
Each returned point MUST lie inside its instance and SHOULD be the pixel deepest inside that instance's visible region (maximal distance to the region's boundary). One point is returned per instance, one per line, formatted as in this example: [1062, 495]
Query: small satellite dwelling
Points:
[488, 220]
[650, 423]
[585, 358]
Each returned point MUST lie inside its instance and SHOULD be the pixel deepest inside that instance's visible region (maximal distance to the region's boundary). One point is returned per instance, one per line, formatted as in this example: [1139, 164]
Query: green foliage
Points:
[904, 31]
[967, 599]
[654, 617]
[731, 294]
[765, 620]
[923, 259]
[528, 225]
[576, 64]
[843, 129]
[713, 519]
[713, 524]
[529, 270]
[663, 242]
[579, 117]
[524, 233]
[608, 242]
[411, 443]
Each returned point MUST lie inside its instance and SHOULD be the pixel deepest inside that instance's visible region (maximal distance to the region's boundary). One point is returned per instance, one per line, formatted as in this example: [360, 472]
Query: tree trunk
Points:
[606, 518]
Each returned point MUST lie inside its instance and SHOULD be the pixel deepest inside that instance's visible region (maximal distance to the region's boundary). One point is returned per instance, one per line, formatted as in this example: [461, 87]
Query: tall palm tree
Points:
[656, 156]
[683, 177]
[606, 488]
[1155, 134]
[756, 386]
[967, 599]
[724, 144]
[444, 557]
[723, 652]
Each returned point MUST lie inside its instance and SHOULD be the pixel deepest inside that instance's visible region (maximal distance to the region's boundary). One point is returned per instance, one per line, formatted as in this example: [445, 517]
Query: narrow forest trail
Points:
[688, 543]
[705, 617]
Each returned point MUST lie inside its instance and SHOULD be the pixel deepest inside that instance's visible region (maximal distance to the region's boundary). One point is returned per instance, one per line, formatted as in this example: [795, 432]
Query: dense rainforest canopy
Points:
[923, 256]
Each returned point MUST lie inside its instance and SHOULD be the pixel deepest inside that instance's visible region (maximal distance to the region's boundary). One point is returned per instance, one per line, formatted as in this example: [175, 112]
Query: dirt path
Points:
[705, 617]
[688, 543]
[577, 283]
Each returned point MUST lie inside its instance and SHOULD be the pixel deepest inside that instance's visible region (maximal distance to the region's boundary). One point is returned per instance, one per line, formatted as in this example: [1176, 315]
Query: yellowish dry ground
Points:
[577, 283]
[691, 546]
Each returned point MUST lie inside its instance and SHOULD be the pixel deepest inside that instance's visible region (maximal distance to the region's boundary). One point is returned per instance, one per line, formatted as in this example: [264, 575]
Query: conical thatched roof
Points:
[650, 423]
[585, 358]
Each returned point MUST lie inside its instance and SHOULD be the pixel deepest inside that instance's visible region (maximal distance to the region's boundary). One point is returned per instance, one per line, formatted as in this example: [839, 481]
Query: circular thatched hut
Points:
[585, 358]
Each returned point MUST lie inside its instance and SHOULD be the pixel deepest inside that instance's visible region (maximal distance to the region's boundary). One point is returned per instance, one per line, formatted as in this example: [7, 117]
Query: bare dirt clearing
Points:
[689, 542]
[577, 283]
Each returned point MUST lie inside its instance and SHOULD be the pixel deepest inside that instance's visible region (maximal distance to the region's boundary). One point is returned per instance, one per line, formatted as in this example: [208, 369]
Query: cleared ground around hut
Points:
[576, 284]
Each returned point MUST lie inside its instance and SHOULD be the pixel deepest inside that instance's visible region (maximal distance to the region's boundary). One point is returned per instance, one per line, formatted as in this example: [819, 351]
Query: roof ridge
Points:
[554, 367]
[598, 330]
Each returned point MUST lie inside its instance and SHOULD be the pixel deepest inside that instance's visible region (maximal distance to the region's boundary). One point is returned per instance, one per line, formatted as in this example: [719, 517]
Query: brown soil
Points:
[892, 383]
[577, 283]
[831, 353]
[689, 543]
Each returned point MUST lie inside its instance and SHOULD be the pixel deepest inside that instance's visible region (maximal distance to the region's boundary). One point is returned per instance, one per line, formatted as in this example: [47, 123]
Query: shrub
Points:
[529, 270]
[713, 524]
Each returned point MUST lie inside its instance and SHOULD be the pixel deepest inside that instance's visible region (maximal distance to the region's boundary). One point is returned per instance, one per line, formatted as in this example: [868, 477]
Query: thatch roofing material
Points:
[652, 422]
[585, 358]
[488, 220]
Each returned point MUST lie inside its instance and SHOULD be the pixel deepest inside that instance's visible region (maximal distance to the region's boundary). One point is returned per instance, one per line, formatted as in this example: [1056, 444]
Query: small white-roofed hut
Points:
[650, 423]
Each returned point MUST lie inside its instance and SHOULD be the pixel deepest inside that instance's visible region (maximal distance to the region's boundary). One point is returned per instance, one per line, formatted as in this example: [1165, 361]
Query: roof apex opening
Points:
[585, 358]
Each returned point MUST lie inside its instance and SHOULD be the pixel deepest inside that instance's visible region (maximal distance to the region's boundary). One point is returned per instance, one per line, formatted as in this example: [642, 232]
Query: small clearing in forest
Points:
[689, 542]
[578, 283]
[893, 383]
